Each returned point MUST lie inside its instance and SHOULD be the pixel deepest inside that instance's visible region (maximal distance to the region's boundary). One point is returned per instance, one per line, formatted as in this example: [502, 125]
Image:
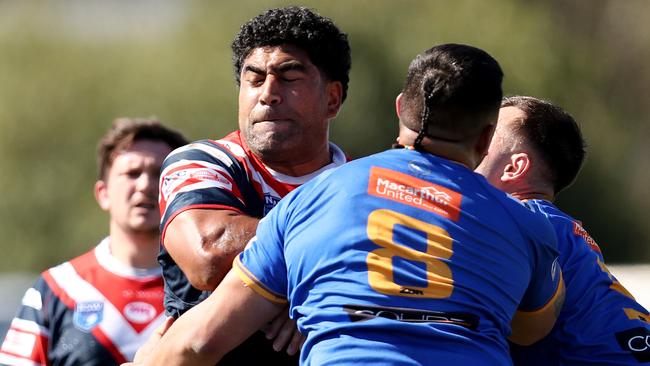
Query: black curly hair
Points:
[326, 46]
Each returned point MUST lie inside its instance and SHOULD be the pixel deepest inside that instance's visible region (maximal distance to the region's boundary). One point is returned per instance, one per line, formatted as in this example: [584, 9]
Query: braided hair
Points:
[449, 92]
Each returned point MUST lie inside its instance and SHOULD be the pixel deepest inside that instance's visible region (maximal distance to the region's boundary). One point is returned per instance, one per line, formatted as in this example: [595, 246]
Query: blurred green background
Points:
[68, 68]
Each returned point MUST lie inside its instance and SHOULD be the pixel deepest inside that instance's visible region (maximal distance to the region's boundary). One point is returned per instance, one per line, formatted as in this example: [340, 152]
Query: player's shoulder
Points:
[201, 150]
[548, 209]
[531, 221]
[389, 159]
[568, 229]
[333, 182]
[519, 210]
[80, 261]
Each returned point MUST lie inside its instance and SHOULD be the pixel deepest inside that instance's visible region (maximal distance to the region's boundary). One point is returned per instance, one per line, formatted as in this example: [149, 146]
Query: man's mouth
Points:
[271, 120]
[146, 205]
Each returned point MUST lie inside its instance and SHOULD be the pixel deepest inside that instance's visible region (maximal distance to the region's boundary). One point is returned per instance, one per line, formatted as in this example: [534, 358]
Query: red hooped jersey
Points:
[222, 174]
[217, 174]
[92, 310]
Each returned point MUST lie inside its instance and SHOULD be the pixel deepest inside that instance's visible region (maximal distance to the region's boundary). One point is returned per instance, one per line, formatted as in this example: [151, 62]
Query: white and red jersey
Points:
[92, 310]
[218, 174]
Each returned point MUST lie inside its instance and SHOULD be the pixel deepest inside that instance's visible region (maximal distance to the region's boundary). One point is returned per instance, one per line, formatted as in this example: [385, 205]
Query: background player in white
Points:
[98, 308]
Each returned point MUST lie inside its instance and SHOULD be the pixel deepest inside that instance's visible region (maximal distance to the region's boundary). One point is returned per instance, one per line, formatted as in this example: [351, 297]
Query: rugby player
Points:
[292, 68]
[537, 151]
[99, 308]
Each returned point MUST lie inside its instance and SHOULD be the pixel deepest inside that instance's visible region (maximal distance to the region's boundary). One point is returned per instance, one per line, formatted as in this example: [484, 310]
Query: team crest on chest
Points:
[88, 314]
[269, 202]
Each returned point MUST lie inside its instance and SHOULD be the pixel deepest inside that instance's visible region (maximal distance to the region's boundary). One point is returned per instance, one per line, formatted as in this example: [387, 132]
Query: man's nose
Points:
[271, 91]
[147, 182]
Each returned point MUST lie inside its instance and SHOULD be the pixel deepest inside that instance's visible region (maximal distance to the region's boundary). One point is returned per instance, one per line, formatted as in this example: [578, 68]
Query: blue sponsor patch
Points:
[88, 314]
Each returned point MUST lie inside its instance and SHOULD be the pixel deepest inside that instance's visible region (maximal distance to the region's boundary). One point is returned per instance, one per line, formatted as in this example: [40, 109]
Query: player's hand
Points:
[284, 333]
[151, 343]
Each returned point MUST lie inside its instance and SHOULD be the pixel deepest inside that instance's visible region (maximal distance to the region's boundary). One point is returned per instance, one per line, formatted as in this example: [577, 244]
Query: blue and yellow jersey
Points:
[403, 258]
[600, 322]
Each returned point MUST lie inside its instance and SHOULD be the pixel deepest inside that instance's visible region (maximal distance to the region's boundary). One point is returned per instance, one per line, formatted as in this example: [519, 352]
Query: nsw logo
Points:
[269, 202]
[88, 314]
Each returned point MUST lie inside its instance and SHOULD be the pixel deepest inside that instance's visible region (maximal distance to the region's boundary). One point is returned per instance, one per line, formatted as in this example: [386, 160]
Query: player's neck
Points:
[457, 151]
[298, 166]
[138, 250]
[533, 195]
[452, 152]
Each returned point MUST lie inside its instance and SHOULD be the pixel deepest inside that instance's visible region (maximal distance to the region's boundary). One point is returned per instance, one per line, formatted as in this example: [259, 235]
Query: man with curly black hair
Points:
[292, 67]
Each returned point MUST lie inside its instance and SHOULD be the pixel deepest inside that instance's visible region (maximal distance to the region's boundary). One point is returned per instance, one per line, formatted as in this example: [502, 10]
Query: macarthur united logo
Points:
[415, 192]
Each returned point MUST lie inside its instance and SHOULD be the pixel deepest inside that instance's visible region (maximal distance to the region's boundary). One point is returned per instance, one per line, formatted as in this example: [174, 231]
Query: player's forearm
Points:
[223, 248]
[185, 343]
[214, 327]
[205, 242]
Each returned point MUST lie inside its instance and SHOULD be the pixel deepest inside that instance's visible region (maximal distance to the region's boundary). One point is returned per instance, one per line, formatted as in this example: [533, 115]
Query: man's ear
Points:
[334, 98]
[101, 195]
[398, 105]
[519, 165]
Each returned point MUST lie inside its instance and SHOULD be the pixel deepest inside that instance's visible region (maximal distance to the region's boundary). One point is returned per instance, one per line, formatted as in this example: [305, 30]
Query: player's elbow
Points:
[204, 265]
[206, 274]
[200, 281]
[208, 278]
[529, 327]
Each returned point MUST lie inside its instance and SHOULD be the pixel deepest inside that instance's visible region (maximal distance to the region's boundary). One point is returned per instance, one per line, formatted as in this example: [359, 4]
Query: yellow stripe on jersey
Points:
[636, 315]
[251, 281]
[530, 326]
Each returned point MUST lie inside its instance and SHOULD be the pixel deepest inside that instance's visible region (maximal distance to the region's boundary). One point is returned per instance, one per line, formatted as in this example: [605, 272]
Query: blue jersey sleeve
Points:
[546, 279]
[598, 313]
[262, 265]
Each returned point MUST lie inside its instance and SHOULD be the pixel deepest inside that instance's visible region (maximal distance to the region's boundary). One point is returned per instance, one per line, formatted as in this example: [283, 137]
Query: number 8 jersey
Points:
[403, 258]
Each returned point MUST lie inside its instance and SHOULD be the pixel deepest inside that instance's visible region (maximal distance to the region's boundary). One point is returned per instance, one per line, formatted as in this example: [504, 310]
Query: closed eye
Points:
[291, 71]
[253, 75]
